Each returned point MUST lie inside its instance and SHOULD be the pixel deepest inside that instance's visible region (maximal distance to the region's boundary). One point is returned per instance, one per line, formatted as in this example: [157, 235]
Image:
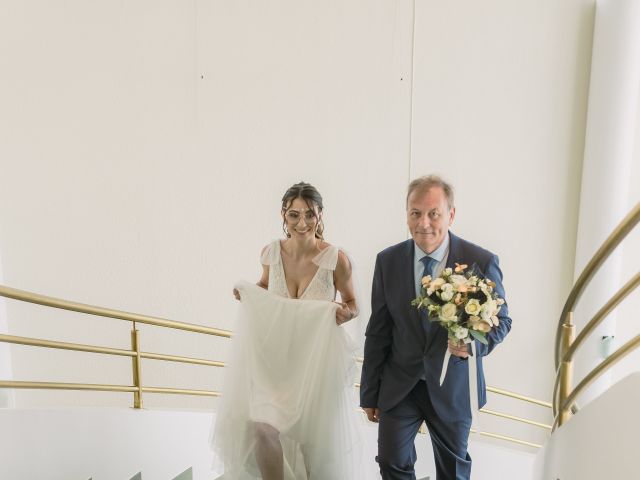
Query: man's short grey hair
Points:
[427, 182]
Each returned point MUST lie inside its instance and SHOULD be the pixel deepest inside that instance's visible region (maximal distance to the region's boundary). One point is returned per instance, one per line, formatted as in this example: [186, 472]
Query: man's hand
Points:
[458, 349]
[372, 414]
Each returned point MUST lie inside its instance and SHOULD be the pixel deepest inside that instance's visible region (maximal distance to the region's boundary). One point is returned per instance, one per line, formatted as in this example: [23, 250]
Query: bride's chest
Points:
[301, 281]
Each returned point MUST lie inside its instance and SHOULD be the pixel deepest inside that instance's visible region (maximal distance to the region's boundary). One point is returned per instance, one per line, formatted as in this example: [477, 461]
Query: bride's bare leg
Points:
[269, 452]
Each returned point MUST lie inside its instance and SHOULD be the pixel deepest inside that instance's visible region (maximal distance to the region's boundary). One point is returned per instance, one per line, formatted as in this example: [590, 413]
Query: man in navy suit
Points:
[404, 351]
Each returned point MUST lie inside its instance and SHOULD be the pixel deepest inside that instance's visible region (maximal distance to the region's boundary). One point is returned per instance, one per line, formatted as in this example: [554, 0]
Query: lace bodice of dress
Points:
[321, 286]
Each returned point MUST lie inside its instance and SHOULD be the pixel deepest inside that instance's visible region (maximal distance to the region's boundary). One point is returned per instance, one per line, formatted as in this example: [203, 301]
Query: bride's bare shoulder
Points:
[323, 245]
[343, 265]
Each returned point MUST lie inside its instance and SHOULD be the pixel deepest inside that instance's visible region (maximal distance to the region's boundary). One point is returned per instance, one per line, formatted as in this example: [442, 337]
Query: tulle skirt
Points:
[292, 368]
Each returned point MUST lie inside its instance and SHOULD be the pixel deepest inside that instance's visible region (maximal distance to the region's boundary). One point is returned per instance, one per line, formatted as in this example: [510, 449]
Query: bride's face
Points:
[301, 220]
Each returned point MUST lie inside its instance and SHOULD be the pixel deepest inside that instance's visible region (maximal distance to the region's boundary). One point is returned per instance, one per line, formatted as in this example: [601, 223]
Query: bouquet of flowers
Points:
[463, 303]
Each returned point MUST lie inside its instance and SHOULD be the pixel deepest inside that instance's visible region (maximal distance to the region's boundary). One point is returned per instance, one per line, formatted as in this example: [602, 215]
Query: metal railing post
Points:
[566, 369]
[136, 364]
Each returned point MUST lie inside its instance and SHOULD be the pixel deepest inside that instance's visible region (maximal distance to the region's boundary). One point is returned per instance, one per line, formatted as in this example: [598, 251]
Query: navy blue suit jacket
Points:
[398, 350]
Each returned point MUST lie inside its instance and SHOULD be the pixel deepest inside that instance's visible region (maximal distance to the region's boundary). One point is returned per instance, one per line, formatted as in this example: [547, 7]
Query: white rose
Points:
[436, 284]
[460, 332]
[473, 307]
[488, 309]
[447, 292]
[458, 280]
[448, 312]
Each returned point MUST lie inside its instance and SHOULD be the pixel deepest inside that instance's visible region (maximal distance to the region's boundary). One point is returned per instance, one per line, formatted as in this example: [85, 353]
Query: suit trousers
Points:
[397, 430]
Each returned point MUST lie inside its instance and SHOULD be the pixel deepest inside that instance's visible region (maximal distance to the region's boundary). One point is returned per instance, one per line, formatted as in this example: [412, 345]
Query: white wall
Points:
[146, 146]
[627, 316]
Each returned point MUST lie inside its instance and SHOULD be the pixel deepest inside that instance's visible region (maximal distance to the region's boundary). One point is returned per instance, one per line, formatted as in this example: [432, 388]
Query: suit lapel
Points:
[454, 251]
[409, 288]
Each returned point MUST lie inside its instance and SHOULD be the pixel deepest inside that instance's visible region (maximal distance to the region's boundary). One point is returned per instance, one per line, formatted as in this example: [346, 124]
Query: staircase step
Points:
[186, 475]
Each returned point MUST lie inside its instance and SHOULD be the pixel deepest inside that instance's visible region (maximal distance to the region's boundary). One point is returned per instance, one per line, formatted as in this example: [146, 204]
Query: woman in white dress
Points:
[288, 410]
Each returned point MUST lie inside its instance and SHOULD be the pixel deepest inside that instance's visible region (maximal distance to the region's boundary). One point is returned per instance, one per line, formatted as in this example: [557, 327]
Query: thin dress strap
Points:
[327, 258]
[271, 254]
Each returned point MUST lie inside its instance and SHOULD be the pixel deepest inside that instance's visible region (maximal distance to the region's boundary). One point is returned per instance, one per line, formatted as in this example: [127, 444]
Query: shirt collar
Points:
[438, 254]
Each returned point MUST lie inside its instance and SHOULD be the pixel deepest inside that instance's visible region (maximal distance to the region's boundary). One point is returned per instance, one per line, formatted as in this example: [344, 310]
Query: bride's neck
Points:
[299, 248]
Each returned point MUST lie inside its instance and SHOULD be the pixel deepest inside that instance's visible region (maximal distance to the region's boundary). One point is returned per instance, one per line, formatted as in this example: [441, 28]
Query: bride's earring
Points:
[285, 230]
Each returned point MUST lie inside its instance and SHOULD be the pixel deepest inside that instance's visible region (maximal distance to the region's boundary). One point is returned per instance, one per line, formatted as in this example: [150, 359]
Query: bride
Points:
[288, 411]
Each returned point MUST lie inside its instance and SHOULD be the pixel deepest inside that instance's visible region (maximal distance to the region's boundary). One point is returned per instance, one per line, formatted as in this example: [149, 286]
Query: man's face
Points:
[429, 217]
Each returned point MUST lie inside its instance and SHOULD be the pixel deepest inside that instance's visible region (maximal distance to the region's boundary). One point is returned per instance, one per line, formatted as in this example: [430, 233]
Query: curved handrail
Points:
[607, 247]
[565, 346]
[107, 312]
[597, 319]
[600, 369]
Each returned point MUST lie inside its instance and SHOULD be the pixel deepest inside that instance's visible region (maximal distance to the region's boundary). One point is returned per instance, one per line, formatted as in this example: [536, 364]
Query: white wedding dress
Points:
[293, 368]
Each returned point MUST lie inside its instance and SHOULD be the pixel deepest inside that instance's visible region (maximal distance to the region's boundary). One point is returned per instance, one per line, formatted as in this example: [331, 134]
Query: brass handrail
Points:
[611, 360]
[597, 319]
[36, 342]
[505, 437]
[176, 358]
[67, 386]
[517, 419]
[565, 345]
[507, 393]
[107, 312]
[135, 353]
[607, 247]
[78, 347]
[181, 391]
[102, 387]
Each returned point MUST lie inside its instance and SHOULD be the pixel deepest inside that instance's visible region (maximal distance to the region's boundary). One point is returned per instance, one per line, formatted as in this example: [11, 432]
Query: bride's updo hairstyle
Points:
[311, 196]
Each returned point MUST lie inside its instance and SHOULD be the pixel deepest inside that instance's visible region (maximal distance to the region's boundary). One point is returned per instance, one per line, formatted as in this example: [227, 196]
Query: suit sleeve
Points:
[377, 341]
[492, 272]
